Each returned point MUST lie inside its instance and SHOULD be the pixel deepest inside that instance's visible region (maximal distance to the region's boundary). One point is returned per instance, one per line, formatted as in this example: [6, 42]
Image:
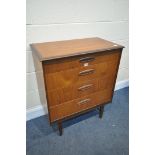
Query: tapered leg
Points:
[101, 109]
[60, 127]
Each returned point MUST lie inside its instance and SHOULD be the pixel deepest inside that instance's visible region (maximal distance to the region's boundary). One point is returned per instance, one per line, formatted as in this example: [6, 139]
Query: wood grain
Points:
[69, 77]
[59, 96]
[62, 64]
[69, 108]
[59, 49]
[79, 75]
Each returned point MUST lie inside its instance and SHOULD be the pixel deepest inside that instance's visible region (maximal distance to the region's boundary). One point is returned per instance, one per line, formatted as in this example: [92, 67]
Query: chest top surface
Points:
[59, 49]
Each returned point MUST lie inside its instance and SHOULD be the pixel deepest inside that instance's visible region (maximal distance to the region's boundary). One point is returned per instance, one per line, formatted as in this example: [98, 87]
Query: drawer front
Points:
[77, 90]
[78, 105]
[60, 96]
[62, 64]
[67, 78]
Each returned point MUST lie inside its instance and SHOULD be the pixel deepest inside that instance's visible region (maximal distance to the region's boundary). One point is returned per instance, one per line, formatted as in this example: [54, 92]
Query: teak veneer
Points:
[79, 75]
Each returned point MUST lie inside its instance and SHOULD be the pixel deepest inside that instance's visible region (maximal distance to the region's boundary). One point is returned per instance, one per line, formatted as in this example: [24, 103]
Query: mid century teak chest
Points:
[79, 75]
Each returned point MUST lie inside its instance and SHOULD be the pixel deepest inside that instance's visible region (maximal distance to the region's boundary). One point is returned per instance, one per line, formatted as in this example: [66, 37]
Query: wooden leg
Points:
[101, 109]
[60, 127]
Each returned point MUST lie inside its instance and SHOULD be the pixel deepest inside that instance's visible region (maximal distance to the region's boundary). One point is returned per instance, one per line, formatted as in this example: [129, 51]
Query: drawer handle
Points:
[87, 59]
[85, 87]
[84, 101]
[85, 72]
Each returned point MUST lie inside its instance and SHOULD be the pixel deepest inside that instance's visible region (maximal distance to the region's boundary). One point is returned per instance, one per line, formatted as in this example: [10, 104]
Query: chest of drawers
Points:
[79, 75]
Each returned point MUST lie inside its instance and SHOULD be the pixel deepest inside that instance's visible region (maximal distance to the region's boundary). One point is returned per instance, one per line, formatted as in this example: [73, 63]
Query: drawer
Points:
[69, 77]
[78, 105]
[62, 64]
[78, 90]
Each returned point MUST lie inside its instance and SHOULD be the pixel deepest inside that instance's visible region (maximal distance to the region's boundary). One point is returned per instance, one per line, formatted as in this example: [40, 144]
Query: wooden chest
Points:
[79, 75]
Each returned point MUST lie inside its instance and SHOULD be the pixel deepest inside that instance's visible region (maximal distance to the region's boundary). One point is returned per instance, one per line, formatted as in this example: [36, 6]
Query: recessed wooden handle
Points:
[84, 101]
[85, 87]
[87, 59]
[85, 72]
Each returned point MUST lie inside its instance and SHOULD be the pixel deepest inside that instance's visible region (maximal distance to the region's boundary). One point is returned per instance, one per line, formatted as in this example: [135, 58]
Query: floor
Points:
[86, 134]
